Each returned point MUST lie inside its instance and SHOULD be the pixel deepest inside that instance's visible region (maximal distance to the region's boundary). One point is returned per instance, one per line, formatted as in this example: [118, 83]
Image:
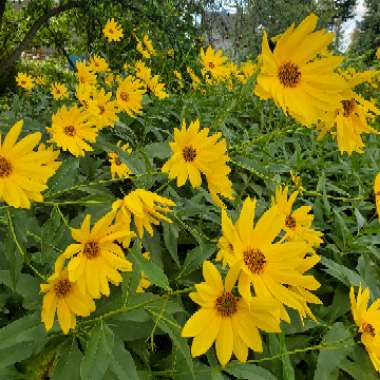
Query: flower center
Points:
[211, 65]
[348, 107]
[290, 222]
[62, 287]
[189, 153]
[226, 304]
[255, 260]
[69, 130]
[91, 249]
[124, 96]
[101, 110]
[5, 167]
[368, 329]
[117, 161]
[289, 74]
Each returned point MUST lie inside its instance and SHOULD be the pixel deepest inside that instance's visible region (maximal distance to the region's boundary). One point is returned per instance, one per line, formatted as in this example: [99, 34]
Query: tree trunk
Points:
[8, 62]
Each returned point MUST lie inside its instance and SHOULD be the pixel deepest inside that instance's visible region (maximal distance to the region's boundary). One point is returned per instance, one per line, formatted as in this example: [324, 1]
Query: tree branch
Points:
[11, 59]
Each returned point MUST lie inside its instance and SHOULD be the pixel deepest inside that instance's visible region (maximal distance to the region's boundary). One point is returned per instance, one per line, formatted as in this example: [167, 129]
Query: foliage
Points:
[135, 335]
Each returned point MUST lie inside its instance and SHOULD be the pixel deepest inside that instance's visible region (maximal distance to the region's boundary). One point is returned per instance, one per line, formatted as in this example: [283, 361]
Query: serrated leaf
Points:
[68, 362]
[171, 241]
[248, 371]
[341, 273]
[65, 176]
[98, 354]
[155, 274]
[122, 363]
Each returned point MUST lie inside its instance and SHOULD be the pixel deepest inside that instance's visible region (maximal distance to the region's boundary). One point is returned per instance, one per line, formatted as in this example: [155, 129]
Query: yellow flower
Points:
[118, 168]
[140, 48]
[23, 171]
[376, 189]
[96, 259]
[98, 64]
[378, 53]
[274, 269]
[149, 45]
[143, 72]
[147, 208]
[129, 95]
[179, 77]
[113, 31]
[246, 70]
[196, 81]
[25, 81]
[297, 225]
[196, 153]
[40, 80]
[84, 92]
[144, 282]
[59, 91]
[350, 120]
[64, 297]
[102, 109]
[297, 181]
[157, 88]
[71, 130]
[214, 63]
[299, 83]
[227, 319]
[109, 79]
[368, 321]
[170, 53]
[85, 74]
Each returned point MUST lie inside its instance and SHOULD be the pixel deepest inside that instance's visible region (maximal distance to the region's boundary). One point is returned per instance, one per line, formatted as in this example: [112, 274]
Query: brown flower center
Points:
[189, 153]
[69, 130]
[226, 304]
[124, 96]
[91, 249]
[211, 65]
[290, 222]
[255, 260]
[5, 167]
[23, 82]
[368, 329]
[101, 110]
[117, 161]
[62, 287]
[348, 107]
[289, 74]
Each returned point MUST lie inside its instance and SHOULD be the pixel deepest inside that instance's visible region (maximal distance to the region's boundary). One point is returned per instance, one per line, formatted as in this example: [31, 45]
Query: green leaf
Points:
[122, 364]
[341, 273]
[171, 241]
[155, 274]
[98, 354]
[159, 150]
[65, 177]
[287, 367]
[68, 361]
[248, 371]
[195, 258]
[339, 338]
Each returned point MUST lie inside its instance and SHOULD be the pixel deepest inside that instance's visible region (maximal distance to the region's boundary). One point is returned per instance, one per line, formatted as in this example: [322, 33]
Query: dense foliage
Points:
[116, 146]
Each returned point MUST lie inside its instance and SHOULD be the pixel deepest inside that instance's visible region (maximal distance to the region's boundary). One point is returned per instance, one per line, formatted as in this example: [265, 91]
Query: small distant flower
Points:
[96, 259]
[118, 168]
[196, 153]
[145, 207]
[214, 63]
[367, 319]
[149, 45]
[129, 96]
[102, 109]
[297, 182]
[145, 47]
[298, 223]
[157, 88]
[113, 31]
[24, 172]
[196, 81]
[71, 130]
[109, 80]
[59, 91]
[98, 64]
[144, 282]
[85, 74]
[246, 70]
[84, 93]
[378, 53]
[64, 297]
[170, 53]
[376, 189]
[40, 80]
[227, 319]
[25, 81]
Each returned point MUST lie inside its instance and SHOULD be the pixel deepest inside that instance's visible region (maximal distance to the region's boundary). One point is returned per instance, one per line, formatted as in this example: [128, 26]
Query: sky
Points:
[349, 26]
